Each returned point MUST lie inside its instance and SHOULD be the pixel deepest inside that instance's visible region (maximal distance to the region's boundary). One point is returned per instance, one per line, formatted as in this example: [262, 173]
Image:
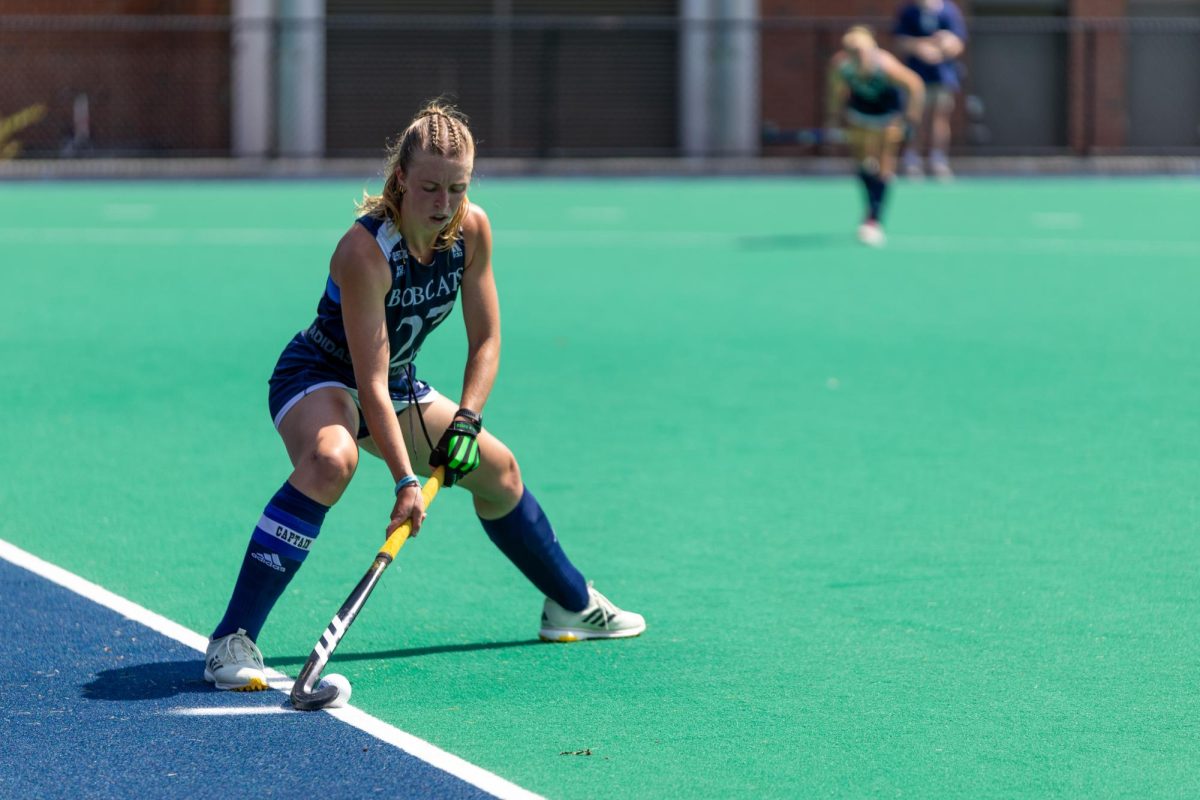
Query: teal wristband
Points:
[406, 481]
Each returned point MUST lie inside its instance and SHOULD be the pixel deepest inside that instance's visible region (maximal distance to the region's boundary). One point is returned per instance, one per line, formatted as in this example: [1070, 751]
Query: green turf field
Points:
[918, 522]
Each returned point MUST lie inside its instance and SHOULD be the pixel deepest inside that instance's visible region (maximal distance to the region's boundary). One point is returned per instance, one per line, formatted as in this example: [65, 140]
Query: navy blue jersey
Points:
[871, 93]
[917, 23]
[421, 296]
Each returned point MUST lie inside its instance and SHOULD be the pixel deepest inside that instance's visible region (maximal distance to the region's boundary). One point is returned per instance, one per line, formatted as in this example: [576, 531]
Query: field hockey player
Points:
[348, 381]
[877, 97]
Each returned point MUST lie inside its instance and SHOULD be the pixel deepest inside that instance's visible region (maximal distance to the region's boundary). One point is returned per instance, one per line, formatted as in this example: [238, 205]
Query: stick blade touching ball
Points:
[332, 692]
[341, 685]
[307, 693]
[321, 697]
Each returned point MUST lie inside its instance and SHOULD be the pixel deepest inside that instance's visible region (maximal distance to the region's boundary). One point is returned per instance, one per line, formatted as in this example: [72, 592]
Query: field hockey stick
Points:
[305, 695]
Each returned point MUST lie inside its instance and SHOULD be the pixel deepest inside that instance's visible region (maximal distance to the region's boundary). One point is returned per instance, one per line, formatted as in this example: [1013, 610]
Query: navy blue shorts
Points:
[302, 369]
[943, 75]
[874, 122]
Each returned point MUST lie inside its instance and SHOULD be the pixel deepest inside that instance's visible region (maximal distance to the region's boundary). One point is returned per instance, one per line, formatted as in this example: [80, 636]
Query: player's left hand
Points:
[458, 449]
[947, 42]
[929, 51]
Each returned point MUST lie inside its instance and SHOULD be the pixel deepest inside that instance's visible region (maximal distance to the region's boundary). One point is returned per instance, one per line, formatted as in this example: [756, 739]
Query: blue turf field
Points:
[102, 706]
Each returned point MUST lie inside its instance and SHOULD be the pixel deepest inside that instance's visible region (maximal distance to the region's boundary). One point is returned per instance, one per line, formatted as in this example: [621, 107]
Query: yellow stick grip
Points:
[399, 536]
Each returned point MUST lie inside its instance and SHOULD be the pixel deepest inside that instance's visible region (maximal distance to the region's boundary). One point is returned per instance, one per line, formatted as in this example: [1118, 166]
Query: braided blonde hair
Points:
[859, 35]
[439, 129]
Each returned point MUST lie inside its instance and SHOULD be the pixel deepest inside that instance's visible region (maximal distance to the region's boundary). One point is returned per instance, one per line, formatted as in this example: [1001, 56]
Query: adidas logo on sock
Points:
[270, 559]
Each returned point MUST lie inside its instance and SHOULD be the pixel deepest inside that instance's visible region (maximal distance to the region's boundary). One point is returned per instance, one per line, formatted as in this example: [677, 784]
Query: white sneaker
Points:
[600, 620]
[234, 662]
[870, 234]
[940, 169]
[912, 169]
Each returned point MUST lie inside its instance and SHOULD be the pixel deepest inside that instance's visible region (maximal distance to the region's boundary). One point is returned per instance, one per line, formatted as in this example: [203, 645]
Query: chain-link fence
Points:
[537, 85]
[115, 86]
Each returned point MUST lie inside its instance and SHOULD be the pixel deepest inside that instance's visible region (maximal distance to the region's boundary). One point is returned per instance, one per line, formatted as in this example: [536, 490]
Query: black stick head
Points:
[315, 700]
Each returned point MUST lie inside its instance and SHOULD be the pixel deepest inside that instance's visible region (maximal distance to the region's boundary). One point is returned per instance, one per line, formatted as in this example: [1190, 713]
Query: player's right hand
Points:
[410, 505]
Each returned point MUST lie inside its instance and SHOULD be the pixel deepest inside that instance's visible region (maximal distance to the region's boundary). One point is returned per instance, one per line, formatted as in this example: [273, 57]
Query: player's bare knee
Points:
[332, 466]
[510, 482]
[499, 484]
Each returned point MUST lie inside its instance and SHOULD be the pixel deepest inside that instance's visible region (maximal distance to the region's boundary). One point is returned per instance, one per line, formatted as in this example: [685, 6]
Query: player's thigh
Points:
[939, 100]
[927, 106]
[871, 148]
[856, 141]
[321, 426]
[498, 476]
[890, 142]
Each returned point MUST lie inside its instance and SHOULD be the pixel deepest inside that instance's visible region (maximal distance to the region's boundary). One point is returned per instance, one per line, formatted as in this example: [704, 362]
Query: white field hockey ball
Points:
[343, 686]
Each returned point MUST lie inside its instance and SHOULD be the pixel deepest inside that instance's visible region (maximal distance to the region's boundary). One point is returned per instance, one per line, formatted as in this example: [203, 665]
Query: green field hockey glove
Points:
[457, 450]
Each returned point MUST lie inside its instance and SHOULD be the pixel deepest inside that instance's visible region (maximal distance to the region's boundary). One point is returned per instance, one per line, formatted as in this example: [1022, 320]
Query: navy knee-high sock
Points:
[881, 187]
[278, 546]
[876, 188]
[525, 536]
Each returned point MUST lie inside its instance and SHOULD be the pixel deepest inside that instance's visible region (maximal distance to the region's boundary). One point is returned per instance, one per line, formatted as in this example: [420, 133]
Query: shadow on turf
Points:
[411, 652]
[791, 241]
[148, 681]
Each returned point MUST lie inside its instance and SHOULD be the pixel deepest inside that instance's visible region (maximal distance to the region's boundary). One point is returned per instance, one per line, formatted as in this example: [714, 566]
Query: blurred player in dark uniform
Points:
[930, 36]
[877, 97]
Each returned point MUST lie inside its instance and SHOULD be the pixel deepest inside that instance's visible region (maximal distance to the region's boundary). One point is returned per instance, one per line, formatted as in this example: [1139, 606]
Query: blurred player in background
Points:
[348, 382]
[878, 98]
[931, 35]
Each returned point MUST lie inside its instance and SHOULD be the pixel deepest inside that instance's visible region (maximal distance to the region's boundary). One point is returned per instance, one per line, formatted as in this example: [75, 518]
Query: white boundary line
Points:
[248, 711]
[419, 748]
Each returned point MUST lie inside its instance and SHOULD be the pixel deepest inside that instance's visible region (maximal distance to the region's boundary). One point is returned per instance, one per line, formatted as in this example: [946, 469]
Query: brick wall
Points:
[146, 90]
[153, 91]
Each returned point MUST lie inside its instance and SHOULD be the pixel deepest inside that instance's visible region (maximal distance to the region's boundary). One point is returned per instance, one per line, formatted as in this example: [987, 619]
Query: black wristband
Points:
[470, 416]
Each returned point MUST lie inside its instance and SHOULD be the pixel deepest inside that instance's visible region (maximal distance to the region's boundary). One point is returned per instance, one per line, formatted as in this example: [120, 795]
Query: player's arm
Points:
[904, 78]
[952, 39]
[925, 48]
[458, 449]
[836, 92]
[481, 312]
[909, 41]
[950, 45]
[362, 274]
